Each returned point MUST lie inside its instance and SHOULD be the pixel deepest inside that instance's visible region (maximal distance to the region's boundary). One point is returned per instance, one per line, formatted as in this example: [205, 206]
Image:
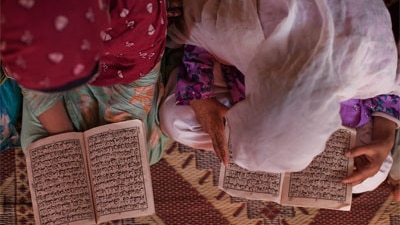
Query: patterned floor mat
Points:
[186, 192]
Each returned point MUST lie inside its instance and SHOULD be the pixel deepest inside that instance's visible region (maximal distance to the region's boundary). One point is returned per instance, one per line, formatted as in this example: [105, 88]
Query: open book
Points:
[318, 186]
[99, 175]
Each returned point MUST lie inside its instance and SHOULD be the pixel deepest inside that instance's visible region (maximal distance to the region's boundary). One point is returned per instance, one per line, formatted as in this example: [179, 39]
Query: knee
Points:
[180, 124]
[169, 117]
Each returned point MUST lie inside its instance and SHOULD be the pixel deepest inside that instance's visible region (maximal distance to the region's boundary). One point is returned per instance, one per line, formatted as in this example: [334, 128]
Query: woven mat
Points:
[186, 192]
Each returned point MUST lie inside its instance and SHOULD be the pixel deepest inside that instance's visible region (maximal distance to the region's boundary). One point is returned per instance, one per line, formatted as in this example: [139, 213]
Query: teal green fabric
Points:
[10, 106]
[91, 106]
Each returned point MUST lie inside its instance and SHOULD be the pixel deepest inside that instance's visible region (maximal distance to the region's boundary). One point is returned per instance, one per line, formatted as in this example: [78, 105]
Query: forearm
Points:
[55, 120]
[210, 114]
[384, 131]
[49, 109]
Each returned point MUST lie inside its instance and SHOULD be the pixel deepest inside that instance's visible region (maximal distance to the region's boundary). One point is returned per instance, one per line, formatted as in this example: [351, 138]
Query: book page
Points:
[58, 180]
[120, 171]
[240, 182]
[319, 185]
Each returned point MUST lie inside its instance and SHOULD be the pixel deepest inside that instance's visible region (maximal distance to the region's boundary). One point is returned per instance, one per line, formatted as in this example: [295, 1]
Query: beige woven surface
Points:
[186, 192]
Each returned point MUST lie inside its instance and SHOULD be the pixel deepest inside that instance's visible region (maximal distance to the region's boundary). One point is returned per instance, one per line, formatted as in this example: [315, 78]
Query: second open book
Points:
[319, 185]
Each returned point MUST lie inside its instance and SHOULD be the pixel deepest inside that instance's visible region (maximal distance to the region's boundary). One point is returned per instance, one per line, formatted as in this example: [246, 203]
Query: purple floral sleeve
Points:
[195, 77]
[357, 112]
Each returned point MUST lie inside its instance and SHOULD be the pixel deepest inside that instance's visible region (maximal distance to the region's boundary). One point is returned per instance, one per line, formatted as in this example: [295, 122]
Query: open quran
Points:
[91, 177]
[319, 185]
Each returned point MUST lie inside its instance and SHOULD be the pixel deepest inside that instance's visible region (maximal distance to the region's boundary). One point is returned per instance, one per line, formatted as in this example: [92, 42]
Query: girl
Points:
[204, 89]
[83, 64]
[300, 60]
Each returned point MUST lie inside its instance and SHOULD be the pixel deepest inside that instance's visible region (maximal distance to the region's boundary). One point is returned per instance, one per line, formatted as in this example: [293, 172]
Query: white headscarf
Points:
[300, 59]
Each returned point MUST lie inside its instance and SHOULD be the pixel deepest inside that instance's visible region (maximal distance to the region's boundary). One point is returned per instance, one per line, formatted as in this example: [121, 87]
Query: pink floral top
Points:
[52, 45]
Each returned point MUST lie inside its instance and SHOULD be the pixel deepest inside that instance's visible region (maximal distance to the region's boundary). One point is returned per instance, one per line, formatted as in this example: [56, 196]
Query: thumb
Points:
[360, 150]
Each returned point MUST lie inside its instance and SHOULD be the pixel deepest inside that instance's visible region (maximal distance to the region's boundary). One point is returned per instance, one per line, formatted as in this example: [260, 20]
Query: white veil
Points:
[297, 68]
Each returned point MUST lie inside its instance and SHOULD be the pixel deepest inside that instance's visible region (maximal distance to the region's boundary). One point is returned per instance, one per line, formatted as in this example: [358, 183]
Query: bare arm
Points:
[210, 114]
[55, 120]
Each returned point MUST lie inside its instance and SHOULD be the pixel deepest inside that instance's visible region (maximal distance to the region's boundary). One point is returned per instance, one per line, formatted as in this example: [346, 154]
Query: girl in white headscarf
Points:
[300, 59]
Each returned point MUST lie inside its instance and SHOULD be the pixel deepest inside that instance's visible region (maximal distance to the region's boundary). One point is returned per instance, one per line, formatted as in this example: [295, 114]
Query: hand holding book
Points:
[210, 114]
[369, 158]
[319, 185]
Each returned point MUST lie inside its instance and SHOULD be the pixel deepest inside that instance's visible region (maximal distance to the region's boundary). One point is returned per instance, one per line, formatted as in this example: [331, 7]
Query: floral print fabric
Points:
[10, 106]
[90, 106]
[357, 112]
[196, 79]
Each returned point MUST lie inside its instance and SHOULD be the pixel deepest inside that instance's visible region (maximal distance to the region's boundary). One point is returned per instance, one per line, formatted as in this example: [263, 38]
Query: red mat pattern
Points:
[186, 192]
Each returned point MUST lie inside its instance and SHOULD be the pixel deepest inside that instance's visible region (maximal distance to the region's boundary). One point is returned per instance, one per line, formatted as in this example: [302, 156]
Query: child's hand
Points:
[395, 188]
[367, 161]
[369, 158]
[210, 114]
